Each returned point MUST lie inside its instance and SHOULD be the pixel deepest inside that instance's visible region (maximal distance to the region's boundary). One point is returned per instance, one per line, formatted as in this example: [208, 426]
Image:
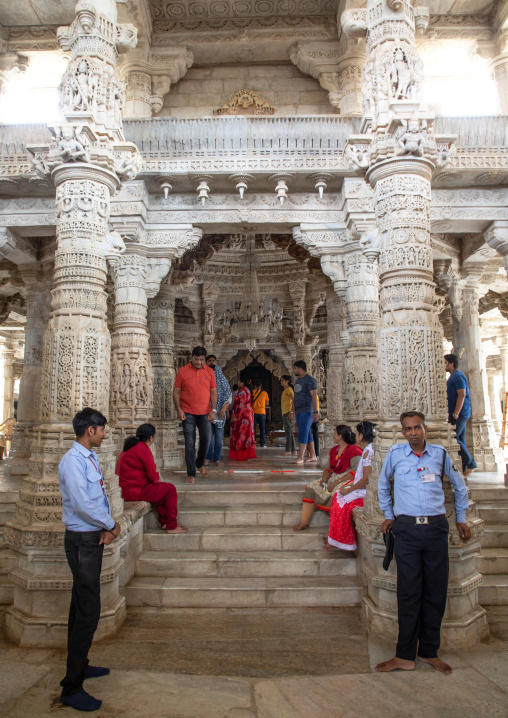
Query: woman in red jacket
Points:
[140, 481]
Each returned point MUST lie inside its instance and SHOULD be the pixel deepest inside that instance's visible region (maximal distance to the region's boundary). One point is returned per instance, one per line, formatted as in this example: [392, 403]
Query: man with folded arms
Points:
[416, 517]
[89, 527]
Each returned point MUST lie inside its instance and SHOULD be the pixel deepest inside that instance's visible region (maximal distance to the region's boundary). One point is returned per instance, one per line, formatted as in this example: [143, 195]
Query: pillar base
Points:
[455, 634]
[44, 632]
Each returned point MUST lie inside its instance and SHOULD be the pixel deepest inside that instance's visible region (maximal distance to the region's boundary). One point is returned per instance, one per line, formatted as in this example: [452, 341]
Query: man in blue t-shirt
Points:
[305, 410]
[459, 409]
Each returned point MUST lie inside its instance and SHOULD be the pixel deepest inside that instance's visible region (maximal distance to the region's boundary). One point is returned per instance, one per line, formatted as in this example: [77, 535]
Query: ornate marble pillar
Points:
[399, 152]
[467, 345]
[8, 405]
[132, 379]
[496, 414]
[87, 162]
[464, 297]
[209, 294]
[361, 363]
[336, 355]
[161, 327]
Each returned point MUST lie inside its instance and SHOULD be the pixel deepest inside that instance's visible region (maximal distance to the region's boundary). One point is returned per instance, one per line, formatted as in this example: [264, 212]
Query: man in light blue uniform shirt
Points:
[89, 526]
[416, 517]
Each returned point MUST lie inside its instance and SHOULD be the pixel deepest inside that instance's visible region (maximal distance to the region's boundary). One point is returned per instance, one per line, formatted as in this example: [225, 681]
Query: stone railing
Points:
[260, 144]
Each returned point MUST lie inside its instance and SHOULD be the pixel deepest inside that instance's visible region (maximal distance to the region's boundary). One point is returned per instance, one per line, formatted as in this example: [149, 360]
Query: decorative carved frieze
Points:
[245, 102]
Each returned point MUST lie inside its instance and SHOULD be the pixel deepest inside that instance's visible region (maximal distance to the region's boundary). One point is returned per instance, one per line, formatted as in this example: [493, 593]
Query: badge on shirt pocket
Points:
[428, 478]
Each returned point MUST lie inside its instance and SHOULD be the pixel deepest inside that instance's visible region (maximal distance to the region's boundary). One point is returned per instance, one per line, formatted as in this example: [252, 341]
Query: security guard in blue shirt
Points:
[416, 517]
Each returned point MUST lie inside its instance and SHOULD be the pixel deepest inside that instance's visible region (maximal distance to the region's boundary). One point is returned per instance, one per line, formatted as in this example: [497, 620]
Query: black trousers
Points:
[84, 555]
[421, 553]
[189, 432]
[315, 435]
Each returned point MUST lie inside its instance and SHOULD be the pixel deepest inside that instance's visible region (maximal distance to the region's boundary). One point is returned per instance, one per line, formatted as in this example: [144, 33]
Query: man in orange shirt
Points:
[195, 397]
[260, 401]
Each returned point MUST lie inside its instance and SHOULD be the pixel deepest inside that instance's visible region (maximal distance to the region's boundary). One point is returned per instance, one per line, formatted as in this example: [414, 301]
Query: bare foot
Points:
[189, 480]
[438, 664]
[311, 460]
[294, 453]
[394, 664]
[178, 530]
[286, 453]
[203, 472]
[301, 526]
[298, 461]
[219, 463]
[206, 462]
[184, 527]
[327, 547]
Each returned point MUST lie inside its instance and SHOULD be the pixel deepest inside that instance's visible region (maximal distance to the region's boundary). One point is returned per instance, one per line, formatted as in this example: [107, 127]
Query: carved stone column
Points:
[132, 379]
[467, 344]
[361, 364]
[87, 161]
[8, 372]
[337, 342]
[399, 153]
[496, 415]
[209, 294]
[161, 327]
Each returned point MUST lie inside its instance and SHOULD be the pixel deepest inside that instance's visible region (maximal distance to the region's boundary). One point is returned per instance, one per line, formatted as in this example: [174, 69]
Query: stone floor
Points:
[269, 662]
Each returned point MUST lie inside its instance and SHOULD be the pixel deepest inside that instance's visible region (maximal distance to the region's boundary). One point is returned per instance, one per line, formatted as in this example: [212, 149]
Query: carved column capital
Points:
[496, 236]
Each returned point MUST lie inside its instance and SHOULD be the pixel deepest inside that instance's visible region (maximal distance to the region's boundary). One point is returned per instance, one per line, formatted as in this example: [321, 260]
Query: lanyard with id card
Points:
[429, 477]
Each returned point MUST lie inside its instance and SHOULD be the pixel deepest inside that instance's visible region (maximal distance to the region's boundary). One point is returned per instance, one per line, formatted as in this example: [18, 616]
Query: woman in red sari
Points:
[341, 533]
[344, 458]
[242, 443]
[140, 481]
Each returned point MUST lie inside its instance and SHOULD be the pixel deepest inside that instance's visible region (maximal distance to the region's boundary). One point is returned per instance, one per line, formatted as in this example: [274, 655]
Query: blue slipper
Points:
[96, 672]
[81, 701]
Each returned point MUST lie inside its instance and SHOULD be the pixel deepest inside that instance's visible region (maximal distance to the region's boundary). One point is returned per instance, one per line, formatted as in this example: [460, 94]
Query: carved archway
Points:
[235, 365]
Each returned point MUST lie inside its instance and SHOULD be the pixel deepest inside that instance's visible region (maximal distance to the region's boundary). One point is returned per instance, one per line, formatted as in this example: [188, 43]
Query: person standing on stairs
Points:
[416, 516]
[195, 397]
[223, 402]
[286, 404]
[89, 527]
[260, 401]
[305, 410]
[140, 481]
[459, 409]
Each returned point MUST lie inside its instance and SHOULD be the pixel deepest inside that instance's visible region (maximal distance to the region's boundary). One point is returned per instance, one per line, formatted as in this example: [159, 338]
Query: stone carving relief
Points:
[245, 102]
[235, 366]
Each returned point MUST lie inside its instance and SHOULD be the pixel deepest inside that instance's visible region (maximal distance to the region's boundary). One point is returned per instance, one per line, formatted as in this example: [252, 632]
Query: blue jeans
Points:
[460, 434]
[304, 424]
[189, 432]
[261, 420]
[215, 448]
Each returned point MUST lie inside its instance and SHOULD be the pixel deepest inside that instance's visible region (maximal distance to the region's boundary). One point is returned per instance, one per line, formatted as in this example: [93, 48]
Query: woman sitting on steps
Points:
[140, 481]
[344, 458]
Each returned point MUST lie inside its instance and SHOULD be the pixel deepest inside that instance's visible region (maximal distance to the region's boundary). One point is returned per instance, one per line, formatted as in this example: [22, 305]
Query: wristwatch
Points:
[214, 411]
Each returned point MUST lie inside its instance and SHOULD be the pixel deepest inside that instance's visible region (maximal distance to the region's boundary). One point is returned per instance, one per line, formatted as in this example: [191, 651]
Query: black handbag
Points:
[389, 540]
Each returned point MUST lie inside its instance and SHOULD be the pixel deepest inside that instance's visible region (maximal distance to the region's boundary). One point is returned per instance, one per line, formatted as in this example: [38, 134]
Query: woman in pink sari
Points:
[242, 443]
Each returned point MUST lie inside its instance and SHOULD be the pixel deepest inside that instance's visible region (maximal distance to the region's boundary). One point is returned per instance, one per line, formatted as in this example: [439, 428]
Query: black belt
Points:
[420, 520]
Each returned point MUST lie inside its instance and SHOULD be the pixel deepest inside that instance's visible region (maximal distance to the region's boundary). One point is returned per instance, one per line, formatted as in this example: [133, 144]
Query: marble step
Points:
[492, 561]
[230, 497]
[493, 591]
[248, 515]
[495, 536]
[493, 513]
[232, 538]
[489, 494]
[222, 592]
[245, 563]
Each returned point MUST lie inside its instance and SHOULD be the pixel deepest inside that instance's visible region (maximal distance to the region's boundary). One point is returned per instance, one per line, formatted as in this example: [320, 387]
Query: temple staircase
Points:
[241, 550]
[492, 505]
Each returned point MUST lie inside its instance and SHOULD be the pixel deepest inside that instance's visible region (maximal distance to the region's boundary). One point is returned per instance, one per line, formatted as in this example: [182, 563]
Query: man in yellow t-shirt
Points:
[286, 404]
[260, 401]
